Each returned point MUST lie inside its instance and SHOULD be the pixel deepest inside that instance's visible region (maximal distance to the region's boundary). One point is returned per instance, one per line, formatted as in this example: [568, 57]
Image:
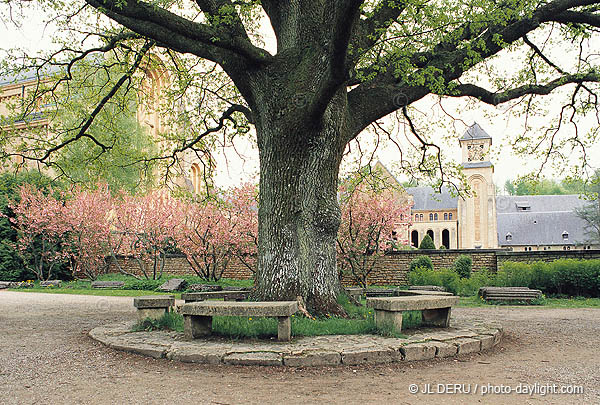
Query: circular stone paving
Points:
[331, 350]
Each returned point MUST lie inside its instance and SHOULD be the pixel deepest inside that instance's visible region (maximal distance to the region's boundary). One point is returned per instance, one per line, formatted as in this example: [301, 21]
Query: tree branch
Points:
[180, 34]
[575, 17]
[368, 31]
[89, 121]
[495, 98]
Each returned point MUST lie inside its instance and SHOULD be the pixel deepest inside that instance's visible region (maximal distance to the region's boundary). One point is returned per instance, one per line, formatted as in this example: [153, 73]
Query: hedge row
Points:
[564, 276]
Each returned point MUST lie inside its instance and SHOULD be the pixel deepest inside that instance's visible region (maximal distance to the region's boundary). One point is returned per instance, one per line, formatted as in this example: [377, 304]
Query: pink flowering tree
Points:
[144, 228]
[242, 203]
[212, 232]
[88, 216]
[369, 218]
[41, 229]
[205, 237]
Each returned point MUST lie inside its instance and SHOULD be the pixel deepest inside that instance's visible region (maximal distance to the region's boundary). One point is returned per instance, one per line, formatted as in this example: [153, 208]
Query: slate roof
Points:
[426, 198]
[27, 75]
[475, 132]
[539, 220]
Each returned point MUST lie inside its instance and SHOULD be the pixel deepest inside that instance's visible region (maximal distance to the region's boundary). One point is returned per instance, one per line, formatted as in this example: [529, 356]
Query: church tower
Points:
[477, 226]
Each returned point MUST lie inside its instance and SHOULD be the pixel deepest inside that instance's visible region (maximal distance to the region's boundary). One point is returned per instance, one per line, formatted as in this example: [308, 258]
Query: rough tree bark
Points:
[299, 215]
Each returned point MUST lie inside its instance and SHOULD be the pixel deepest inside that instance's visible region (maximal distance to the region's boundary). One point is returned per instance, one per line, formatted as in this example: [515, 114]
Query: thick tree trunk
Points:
[299, 214]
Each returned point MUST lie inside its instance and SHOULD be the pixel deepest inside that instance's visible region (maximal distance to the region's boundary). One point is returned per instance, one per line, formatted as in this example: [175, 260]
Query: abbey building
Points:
[485, 220]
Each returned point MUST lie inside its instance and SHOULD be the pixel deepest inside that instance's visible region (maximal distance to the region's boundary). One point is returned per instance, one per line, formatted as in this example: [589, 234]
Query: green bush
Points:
[451, 280]
[427, 243]
[463, 266]
[423, 262]
[443, 277]
[568, 277]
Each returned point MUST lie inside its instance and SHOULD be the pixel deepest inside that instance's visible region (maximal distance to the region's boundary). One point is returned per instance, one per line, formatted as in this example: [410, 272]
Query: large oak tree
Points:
[341, 65]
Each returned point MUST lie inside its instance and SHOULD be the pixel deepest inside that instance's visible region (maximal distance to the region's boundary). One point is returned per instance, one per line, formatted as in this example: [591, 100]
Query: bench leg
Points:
[152, 313]
[388, 319]
[195, 326]
[284, 328]
[437, 317]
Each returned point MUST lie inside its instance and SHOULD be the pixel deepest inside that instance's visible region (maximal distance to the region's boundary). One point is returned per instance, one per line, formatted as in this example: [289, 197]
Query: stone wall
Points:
[392, 269]
[178, 265]
[545, 255]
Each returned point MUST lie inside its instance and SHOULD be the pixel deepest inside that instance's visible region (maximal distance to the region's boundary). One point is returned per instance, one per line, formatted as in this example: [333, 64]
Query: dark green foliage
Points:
[427, 243]
[463, 266]
[421, 262]
[565, 276]
[452, 281]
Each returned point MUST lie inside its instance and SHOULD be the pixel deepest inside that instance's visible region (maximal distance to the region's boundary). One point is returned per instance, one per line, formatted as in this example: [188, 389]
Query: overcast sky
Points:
[502, 127]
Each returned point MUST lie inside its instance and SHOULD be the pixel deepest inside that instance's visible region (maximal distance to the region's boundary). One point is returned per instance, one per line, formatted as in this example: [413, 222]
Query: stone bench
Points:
[153, 306]
[381, 292]
[215, 295]
[435, 310]
[427, 288]
[197, 316]
[108, 284]
[50, 283]
[413, 293]
[509, 294]
[354, 292]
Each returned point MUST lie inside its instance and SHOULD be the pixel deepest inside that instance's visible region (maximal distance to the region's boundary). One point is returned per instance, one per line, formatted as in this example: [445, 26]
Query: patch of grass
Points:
[169, 321]
[224, 282]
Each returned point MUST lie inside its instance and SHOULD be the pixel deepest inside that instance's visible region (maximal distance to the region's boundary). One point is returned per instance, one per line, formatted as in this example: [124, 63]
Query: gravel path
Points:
[47, 357]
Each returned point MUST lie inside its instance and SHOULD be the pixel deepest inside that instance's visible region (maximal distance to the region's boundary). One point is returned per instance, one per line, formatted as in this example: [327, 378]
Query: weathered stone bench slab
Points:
[153, 306]
[198, 315]
[215, 295]
[108, 284]
[509, 294]
[354, 292]
[50, 283]
[381, 292]
[204, 287]
[427, 288]
[415, 293]
[435, 309]
[174, 284]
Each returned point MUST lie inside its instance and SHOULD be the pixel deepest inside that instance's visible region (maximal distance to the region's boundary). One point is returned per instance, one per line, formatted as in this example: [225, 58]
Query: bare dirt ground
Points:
[46, 357]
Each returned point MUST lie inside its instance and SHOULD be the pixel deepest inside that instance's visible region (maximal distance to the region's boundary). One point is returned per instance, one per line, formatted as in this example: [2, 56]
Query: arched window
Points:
[450, 216]
[420, 217]
[565, 235]
[196, 178]
[431, 217]
[435, 216]
[445, 216]
[414, 238]
[508, 237]
[446, 238]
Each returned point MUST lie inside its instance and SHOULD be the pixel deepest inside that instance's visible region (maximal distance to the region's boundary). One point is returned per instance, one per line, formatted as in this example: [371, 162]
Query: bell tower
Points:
[477, 213]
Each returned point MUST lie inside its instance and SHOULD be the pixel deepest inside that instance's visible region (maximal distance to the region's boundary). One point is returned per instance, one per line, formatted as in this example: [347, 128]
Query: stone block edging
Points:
[331, 350]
